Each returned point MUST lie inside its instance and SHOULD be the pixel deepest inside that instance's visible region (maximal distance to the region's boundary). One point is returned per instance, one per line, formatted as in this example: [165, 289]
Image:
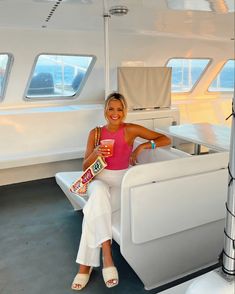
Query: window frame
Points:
[7, 75]
[60, 98]
[200, 77]
[212, 80]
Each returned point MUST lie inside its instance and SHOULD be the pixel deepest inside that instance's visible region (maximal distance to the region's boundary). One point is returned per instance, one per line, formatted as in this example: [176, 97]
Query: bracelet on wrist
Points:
[153, 144]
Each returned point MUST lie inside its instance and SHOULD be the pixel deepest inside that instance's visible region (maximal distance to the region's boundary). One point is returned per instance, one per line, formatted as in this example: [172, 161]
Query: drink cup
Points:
[109, 143]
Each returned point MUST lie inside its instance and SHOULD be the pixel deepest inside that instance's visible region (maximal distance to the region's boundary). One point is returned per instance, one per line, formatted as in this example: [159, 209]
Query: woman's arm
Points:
[133, 131]
[93, 152]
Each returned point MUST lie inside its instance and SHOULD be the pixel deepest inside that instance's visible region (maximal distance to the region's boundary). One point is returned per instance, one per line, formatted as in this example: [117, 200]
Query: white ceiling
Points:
[212, 19]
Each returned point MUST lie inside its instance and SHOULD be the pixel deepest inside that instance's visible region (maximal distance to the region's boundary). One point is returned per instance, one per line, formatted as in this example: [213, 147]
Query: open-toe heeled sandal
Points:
[110, 275]
[81, 280]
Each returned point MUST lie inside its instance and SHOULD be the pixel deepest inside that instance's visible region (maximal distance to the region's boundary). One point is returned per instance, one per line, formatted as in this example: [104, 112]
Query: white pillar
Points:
[106, 16]
[229, 238]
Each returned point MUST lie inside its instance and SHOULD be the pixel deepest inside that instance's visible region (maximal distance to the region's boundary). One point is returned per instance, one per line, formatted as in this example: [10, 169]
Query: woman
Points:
[97, 226]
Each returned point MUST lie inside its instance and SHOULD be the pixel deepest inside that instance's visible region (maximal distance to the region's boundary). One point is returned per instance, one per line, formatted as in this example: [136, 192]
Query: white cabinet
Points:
[154, 118]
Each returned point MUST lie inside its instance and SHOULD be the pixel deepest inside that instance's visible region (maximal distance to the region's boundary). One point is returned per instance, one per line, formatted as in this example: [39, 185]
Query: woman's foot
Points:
[110, 275]
[109, 271]
[82, 277]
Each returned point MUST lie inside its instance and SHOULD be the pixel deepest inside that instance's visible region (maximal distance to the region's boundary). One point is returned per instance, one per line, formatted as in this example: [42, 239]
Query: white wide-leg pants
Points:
[104, 198]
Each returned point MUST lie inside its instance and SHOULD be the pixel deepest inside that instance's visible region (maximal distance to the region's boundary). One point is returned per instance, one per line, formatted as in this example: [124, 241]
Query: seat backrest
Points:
[161, 192]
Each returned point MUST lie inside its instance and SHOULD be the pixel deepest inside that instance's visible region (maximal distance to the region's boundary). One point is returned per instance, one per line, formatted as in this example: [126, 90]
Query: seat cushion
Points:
[65, 180]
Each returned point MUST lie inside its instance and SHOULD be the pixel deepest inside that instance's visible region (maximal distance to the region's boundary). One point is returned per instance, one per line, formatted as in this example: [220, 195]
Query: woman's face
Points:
[115, 112]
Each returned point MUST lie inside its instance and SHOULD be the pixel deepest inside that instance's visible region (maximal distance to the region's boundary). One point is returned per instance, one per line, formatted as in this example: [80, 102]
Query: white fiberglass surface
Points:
[179, 289]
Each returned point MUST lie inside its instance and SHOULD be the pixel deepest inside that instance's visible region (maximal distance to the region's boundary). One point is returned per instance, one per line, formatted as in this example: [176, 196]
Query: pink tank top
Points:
[121, 151]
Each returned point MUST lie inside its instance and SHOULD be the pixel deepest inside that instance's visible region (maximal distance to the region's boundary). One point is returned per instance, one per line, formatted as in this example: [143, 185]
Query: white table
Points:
[214, 137]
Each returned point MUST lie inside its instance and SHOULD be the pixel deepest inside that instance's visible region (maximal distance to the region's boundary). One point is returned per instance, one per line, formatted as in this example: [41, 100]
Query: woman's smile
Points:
[115, 112]
[114, 117]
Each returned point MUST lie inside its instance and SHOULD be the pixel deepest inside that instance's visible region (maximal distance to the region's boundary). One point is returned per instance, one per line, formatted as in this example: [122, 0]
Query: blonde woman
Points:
[104, 190]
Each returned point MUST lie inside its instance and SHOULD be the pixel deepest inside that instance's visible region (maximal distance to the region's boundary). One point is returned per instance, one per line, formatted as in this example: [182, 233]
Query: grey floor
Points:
[39, 238]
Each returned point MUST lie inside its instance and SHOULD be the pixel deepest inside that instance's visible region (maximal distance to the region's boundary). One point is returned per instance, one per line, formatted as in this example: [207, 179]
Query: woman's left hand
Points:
[135, 153]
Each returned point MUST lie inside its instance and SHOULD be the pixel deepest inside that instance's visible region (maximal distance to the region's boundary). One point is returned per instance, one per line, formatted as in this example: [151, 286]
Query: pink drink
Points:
[109, 143]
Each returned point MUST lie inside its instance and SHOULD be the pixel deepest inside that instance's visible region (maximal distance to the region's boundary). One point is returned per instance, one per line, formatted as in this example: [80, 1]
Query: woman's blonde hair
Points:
[118, 97]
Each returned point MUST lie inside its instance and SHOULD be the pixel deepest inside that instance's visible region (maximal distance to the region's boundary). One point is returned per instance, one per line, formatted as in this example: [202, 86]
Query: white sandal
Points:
[110, 273]
[82, 280]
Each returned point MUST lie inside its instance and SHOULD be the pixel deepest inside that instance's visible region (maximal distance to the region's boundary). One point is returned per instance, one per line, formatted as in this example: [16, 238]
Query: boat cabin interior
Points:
[173, 60]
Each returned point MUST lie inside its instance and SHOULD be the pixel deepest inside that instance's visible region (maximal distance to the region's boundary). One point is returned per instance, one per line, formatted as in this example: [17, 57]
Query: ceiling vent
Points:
[118, 10]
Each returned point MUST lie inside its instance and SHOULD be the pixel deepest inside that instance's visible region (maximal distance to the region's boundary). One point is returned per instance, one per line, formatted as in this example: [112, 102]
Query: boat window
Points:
[59, 76]
[217, 6]
[186, 73]
[224, 81]
[5, 62]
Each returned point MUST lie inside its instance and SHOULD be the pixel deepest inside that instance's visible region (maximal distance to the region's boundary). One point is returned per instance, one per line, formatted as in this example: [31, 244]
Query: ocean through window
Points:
[224, 81]
[59, 76]
[186, 72]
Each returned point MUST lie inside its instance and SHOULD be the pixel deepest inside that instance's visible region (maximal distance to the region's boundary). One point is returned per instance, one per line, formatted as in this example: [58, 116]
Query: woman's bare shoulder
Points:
[131, 125]
[133, 129]
[92, 132]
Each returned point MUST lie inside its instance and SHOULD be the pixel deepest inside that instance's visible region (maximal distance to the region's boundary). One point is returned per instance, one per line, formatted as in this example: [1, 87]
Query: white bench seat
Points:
[65, 180]
[32, 158]
[172, 214]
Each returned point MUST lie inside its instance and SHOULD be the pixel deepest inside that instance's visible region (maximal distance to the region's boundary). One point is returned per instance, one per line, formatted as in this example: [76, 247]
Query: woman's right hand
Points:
[102, 151]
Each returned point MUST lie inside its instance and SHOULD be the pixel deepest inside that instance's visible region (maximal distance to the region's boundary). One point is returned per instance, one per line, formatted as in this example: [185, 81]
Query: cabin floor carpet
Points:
[39, 238]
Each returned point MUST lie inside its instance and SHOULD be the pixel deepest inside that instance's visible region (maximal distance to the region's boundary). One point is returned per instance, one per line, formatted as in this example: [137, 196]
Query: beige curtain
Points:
[145, 87]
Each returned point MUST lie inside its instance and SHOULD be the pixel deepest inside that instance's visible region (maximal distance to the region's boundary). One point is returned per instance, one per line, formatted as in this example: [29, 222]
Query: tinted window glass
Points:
[186, 72]
[224, 81]
[59, 76]
[5, 60]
